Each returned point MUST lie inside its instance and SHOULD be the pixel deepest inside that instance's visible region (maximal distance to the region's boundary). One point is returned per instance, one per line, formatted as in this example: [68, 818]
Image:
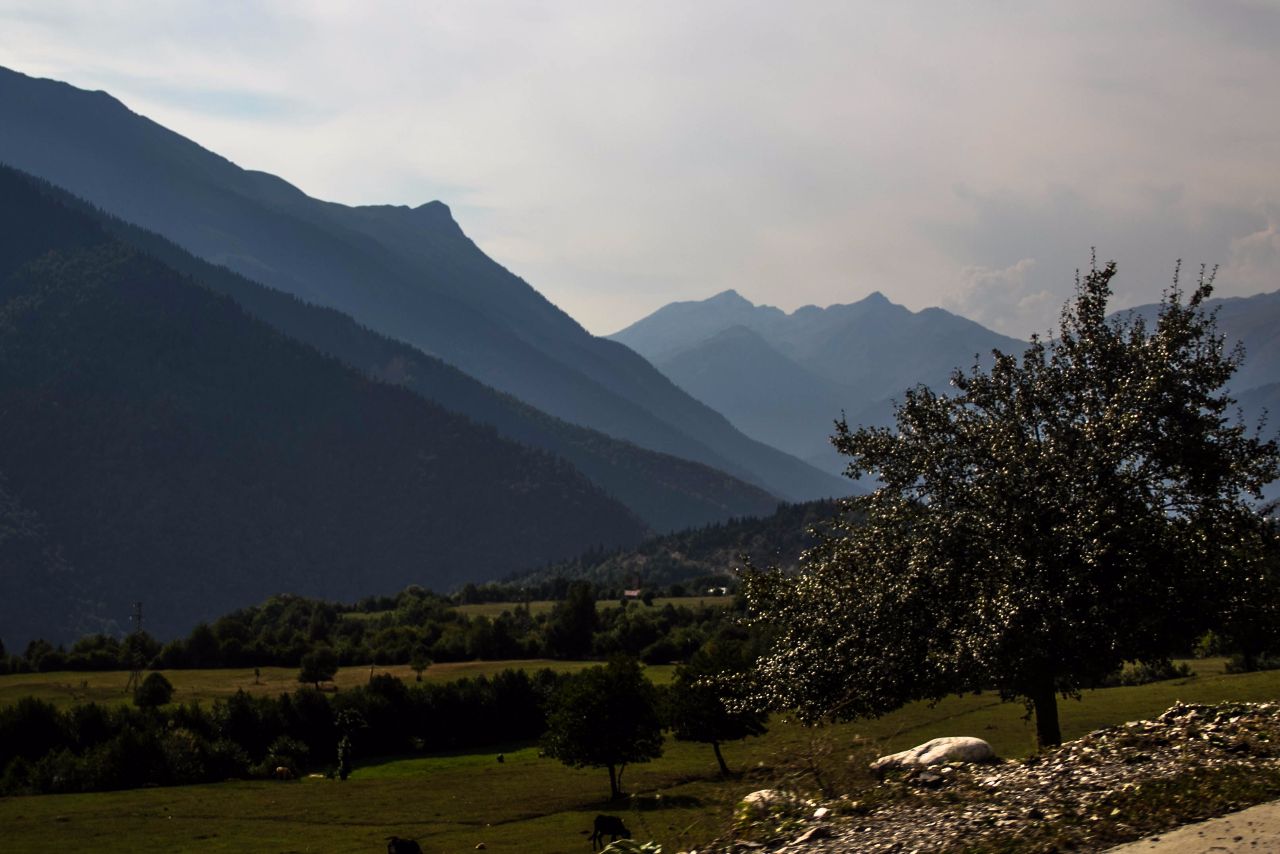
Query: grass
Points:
[494, 609]
[531, 804]
[65, 689]
[544, 606]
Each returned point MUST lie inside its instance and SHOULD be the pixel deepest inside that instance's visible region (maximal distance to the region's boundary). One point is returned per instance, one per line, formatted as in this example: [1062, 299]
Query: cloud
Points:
[620, 156]
[1003, 299]
[1253, 264]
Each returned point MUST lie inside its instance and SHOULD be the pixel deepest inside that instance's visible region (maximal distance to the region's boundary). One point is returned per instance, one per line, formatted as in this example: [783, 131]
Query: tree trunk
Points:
[1044, 699]
[615, 793]
[724, 769]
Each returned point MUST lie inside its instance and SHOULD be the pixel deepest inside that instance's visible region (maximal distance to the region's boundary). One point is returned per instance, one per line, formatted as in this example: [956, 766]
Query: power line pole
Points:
[135, 658]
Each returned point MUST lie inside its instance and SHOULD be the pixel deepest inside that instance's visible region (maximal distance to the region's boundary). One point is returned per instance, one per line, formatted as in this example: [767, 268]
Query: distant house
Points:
[631, 594]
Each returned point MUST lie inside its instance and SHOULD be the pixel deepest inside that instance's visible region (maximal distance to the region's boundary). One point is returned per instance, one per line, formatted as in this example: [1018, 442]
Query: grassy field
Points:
[493, 609]
[65, 689]
[529, 804]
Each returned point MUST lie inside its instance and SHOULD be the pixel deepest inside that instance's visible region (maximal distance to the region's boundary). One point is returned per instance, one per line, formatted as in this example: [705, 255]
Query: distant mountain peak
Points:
[729, 297]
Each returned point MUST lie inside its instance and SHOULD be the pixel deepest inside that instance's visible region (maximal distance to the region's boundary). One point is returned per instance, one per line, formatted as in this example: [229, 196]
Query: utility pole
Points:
[135, 658]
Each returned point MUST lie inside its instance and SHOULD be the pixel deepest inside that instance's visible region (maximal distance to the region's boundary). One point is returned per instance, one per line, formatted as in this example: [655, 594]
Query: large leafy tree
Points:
[605, 717]
[1050, 518]
[696, 701]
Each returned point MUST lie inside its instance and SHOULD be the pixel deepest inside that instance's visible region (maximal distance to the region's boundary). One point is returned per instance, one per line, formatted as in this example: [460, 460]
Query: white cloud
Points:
[1253, 264]
[620, 156]
[1003, 299]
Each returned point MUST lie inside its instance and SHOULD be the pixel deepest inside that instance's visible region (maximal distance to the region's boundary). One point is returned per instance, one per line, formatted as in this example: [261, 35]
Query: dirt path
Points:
[1255, 831]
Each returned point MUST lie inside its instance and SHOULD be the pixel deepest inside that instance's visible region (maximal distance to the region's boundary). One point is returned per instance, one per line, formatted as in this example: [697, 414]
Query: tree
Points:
[318, 665]
[1055, 516]
[155, 691]
[696, 707]
[1250, 623]
[347, 723]
[572, 622]
[419, 660]
[605, 717]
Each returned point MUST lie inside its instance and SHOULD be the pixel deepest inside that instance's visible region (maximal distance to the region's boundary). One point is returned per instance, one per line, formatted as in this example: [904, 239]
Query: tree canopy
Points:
[1052, 517]
[696, 701]
[605, 716]
[318, 665]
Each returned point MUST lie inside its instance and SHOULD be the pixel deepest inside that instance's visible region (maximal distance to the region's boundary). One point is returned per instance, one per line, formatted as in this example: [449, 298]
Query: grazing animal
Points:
[397, 845]
[611, 825]
[501, 759]
[283, 773]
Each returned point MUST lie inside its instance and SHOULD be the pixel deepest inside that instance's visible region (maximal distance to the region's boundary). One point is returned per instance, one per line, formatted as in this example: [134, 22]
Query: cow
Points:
[611, 825]
[283, 772]
[397, 845]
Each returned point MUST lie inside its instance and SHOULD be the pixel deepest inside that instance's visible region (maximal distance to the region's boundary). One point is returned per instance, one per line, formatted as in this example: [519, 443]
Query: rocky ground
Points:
[1111, 786]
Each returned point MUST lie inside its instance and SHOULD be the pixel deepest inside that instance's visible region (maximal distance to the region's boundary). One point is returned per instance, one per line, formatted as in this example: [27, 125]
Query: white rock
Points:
[951, 749]
[764, 797]
[820, 813]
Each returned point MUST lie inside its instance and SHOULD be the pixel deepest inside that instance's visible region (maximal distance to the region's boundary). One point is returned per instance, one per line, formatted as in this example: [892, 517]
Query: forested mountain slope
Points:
[775, 540]
[172, 449]
[408, 273]
[667, 492]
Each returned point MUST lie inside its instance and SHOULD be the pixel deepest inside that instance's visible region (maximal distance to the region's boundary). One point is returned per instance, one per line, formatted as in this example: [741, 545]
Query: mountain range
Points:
[786, 378]
[408, 273]
[158, 443]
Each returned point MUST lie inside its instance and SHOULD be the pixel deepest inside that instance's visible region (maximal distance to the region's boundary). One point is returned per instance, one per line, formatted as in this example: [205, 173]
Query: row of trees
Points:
[416, 625]
[606, 716]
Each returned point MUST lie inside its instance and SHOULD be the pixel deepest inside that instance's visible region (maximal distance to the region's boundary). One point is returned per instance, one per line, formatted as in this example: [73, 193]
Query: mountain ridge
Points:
[846, 359]
[173, 448]
[429, 287]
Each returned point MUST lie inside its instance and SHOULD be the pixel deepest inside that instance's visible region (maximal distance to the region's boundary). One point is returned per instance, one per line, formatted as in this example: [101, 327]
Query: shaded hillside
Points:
[408, 273]
[40, 594]
[180, 452]
[715, 550]
[667, 492]
[815, 362]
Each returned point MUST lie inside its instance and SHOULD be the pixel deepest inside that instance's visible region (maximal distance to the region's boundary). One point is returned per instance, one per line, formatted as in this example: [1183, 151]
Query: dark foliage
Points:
[92, 747]
[605, 717]
[1087, 504]
[155, 691]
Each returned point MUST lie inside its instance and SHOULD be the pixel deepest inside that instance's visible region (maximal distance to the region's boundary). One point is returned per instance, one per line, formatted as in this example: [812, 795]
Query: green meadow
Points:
[451, 803]
[64, 689]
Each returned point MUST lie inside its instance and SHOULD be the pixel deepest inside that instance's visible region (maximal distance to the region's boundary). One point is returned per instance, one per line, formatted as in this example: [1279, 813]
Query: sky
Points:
[620, 156]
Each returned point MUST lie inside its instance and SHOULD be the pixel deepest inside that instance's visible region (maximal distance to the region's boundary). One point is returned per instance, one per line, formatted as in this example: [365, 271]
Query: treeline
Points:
[694, 556]
[94, 747]
[413, 626]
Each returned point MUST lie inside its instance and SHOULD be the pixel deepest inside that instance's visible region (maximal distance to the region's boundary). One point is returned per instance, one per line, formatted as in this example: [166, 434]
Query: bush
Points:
[155, 691]
[1237, 663]
[1139, 673]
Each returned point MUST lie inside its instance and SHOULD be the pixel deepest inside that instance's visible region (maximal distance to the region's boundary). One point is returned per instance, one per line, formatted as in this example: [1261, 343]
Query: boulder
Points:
[763, 798]
[952, 749]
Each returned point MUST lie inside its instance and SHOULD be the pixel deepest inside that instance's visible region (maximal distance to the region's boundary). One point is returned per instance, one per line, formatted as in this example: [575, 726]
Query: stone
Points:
[763, 798]
[952, 749]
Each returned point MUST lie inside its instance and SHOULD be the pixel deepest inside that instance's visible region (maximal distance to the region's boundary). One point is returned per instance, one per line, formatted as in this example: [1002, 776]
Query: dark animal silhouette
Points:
[611, 825]
[501, 758]
[283, 772]
[396, 845]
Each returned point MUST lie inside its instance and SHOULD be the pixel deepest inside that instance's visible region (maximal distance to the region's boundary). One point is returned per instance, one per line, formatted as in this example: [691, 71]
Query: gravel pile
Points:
[1089, 790]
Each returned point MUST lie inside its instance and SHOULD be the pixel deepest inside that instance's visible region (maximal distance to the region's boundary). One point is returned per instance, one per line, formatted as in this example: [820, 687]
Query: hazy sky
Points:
[619, 156]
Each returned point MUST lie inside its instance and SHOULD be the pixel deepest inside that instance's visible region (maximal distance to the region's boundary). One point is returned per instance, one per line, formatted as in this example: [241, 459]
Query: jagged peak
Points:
[728, 297]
